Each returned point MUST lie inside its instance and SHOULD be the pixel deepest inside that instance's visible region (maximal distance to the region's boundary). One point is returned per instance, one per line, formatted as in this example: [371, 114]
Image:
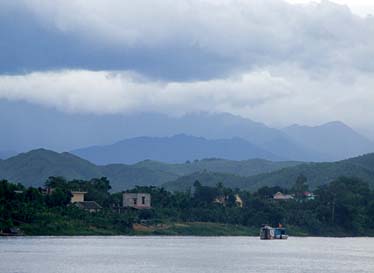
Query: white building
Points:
[281, 196]
[137, 200]
[77, 196]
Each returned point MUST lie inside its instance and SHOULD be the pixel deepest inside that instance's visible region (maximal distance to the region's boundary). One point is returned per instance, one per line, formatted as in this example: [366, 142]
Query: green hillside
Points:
[34, 167]
[317, 174]
[207, 178]
[242, 168]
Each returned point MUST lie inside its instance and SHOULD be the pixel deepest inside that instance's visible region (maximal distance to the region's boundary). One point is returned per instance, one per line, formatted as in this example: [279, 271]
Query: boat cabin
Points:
[270, 233]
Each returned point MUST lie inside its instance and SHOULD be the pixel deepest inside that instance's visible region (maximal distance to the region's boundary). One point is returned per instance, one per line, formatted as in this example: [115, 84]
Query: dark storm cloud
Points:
[181, 40]
[264, 59]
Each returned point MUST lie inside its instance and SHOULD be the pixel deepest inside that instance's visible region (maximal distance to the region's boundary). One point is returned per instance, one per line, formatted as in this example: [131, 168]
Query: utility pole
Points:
[333, 211]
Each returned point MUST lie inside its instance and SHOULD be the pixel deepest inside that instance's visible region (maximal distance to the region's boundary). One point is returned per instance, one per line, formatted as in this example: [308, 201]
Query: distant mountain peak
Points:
[335, 139]
[175, 149]
[40, 151]
[335, 123]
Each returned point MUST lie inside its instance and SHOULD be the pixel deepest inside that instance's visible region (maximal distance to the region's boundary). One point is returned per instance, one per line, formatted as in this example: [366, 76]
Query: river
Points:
[184, 254]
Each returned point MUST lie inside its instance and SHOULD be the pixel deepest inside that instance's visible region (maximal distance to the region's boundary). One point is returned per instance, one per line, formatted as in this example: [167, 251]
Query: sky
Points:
[273, 61]
[359, 7]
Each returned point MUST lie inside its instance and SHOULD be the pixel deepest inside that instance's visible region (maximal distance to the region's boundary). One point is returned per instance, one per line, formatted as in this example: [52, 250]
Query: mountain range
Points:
[6, 154]
[329, 142]
[55, 130]
[317, 174]
[34, 167]
[178, 148]
[334, 139]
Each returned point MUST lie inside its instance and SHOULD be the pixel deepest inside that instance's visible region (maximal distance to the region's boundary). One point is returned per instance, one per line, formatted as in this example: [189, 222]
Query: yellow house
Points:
[77, 196]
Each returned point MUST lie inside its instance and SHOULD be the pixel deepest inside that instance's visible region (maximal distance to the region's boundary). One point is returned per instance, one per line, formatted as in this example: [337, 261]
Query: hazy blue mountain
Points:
[335, 139]
[291, 149]
[317, 174]
[178, 148]
[6, 154]
[29, 126]
[59, 131]
[51, 129]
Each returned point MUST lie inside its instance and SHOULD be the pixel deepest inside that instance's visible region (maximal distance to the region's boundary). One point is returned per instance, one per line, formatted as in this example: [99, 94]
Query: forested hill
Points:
[242, 168]
[316, 173]
[34, 167]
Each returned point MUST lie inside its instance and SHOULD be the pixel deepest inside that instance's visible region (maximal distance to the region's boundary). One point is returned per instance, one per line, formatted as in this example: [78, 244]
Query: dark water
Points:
[184, 254]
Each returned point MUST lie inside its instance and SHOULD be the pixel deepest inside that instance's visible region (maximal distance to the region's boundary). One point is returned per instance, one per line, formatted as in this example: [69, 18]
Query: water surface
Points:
[184, 254]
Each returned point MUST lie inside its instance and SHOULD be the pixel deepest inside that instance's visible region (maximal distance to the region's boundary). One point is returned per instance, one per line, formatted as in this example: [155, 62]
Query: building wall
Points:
[77, 197]
[137, 200]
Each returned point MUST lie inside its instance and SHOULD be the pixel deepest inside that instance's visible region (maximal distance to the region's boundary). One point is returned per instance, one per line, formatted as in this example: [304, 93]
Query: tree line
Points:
[344, 207]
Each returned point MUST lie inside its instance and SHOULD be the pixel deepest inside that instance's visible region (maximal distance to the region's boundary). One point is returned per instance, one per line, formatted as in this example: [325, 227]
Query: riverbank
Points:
[165, 229]
[77, 228]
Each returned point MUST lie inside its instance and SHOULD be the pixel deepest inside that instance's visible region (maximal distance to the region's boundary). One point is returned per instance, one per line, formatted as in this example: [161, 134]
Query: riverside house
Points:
[77, 196]
[282, 196]
[137, 200]
[77, 199]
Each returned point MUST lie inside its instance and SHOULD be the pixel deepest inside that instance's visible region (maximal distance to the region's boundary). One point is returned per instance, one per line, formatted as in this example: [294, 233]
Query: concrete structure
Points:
[281, 196]
[137, 200]
[77, 196]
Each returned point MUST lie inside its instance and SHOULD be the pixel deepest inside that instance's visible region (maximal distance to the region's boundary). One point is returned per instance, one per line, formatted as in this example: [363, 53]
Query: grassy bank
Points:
[195, 229]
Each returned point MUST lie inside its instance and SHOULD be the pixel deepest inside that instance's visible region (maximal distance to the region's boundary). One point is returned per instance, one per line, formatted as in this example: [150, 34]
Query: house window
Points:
[135, 201]
[143, 200]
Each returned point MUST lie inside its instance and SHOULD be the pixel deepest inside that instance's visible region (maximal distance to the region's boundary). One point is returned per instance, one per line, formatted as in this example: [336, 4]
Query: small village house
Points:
[137, 200]
[77, 196]
[77, 199]
[282, 196]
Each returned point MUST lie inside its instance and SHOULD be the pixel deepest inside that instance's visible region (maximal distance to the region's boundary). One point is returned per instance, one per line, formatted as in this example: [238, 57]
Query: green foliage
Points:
[36, 166]
[300, 186]
[344, 207]
[38, 213]
[59, 197]
[317, 174]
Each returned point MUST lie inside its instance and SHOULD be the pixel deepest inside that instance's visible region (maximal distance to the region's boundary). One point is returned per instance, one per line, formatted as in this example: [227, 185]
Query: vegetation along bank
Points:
[344, 207]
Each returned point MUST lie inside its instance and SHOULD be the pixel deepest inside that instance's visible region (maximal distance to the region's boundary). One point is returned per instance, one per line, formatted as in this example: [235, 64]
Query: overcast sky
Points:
[272, 61]
[360, 7]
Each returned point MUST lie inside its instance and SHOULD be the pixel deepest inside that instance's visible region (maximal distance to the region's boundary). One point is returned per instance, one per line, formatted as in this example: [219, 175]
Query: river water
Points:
[184, 254]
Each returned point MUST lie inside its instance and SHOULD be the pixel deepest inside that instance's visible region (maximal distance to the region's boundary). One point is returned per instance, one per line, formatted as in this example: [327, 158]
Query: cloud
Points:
[103, 92]
[182, 40]
[278, 95]
[264, 59]
[360, 7]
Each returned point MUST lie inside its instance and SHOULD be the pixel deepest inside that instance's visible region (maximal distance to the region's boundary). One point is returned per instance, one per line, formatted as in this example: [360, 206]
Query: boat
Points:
[270, 233]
